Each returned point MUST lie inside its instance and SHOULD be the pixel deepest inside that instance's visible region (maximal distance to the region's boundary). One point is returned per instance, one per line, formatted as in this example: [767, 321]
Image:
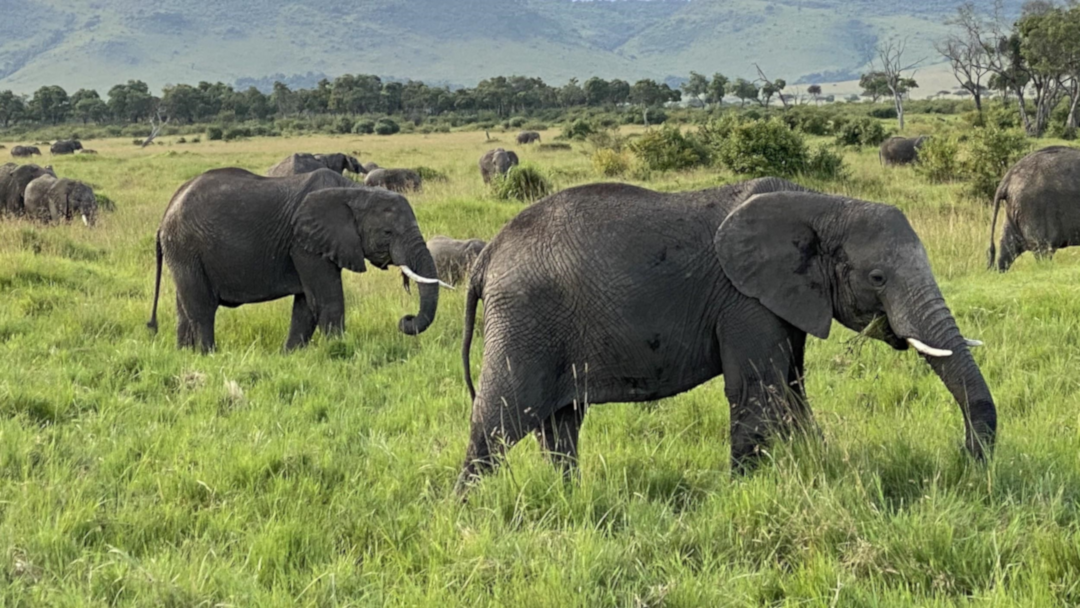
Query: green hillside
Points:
[90, 43]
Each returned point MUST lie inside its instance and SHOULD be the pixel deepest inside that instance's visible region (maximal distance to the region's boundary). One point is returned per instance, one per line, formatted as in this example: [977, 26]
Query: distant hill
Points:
[97, 43]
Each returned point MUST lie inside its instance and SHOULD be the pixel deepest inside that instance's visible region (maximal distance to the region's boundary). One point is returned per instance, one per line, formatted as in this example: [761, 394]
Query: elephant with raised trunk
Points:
[614, 293]
[231, 237]
[13, 182]
[306, 163]
[900, 150]
[1041, 195]
[66, 146]
[25, 151]
[54, 200]
[496, 162]
[528, 137]
[454, 257]
[397, 180]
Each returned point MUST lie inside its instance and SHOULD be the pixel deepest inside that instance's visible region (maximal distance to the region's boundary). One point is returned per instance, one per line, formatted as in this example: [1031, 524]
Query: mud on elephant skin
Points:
[641, 295]
[231, 237]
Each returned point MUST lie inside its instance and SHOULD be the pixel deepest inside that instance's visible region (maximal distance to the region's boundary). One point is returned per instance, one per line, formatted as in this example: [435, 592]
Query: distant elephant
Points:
[496, 162]
[87, 151]
[900, 150]
[231, 237]
[25, 151]
[53, 200]
[1041, 193]
[369, 167]
[453, 258]
[68, 146]
[528, 137]
[614, 293]
[398, 180]
[13, 182]
[306, 163]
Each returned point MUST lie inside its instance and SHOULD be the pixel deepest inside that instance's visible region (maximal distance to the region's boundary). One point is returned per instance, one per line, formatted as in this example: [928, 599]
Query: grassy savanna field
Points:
[132, 473]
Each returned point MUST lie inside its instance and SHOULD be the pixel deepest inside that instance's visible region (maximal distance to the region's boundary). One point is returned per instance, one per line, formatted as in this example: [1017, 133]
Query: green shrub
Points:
[556, 146]
[667, 149]
[536, 126]
[137, 142]
[607, 138]
[578, 129]
[516, 122]
[825, 162]
[809, 120]
[887, 113]
[235, 133]
[386, 126]
[364, 126]
[343, 125]
[764, 147]
[214, 133]
[182, 140]
[991, 151]
[610, 163]
[429, 174]
[939, 159]
[523, 182]
[104, 203]
[996, 116]
[195, 140]
[861, 132]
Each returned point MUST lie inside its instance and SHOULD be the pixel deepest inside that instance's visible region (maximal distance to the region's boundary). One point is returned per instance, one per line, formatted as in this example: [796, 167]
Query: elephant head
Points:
[349, 225]
[810, 258]
[80, 201]
[341, 162]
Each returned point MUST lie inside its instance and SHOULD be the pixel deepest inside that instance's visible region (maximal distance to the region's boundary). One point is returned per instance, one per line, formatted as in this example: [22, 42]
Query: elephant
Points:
[496, 162]
[1041, 193]
[231, 237]
[87, 151]
[52, 200]
[68, 146]
[453, 257]
[397, 180]
[900, 150]
[305, 163]
[369, 167]
[528, 137]
[13, 182]
[25, 151]
[614, 293]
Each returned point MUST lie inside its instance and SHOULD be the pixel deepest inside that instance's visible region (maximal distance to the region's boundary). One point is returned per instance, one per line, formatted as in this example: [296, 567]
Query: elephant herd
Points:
[60, 148]
[37, 193]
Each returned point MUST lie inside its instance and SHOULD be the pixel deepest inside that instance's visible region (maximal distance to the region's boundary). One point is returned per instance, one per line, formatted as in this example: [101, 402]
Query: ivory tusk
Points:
[929, 351]
[419, 279]
[973, 343]
[85, 221]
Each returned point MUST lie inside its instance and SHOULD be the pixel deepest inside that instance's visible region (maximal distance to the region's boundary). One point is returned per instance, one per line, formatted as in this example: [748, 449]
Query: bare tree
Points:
[966, 52]
[156, 125]
[899, 74]
[770, 87]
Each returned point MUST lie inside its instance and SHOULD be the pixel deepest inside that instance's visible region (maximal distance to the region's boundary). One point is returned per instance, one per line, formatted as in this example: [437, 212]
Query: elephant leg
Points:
[321, 280]
[303, 323]
[1011, 246]
[558, 436]
[185, 331]
[196, 299]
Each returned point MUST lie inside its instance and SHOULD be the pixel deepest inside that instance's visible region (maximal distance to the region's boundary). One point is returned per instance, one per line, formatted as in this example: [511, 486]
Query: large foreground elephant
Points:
[613, 293]
[306, 163]
[55, 200]
[231, 237]
[13, 182]
[900, 150]
[496, 162]
[1041, 193]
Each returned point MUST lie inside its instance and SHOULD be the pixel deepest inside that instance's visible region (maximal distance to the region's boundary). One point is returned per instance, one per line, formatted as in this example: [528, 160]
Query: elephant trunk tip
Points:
[152, 325]
[411, 326]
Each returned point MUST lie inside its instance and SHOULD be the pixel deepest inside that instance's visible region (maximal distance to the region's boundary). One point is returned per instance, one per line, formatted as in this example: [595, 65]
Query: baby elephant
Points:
[397, 180]
[453, 258]
[496, 162]
[52, 200]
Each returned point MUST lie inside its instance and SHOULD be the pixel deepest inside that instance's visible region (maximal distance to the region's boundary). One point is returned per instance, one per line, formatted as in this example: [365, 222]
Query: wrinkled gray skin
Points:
[60, 200]
[306, 163]
[900, 150]
[1041, 194]
[528, 137]
[496, 162]
[25, 151]
[454, 257]
[613, 293]
[398, 180]
[231, 237]
[13, 182]
[66, 146]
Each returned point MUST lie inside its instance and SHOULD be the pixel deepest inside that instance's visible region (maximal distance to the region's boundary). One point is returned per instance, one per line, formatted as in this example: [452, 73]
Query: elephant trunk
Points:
[936, 327]
[415, 256]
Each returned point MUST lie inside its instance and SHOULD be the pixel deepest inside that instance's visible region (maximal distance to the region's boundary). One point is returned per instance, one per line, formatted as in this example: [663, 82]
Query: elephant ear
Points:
[354, 164]
[771, 251]
[513, 157]
[325, 224]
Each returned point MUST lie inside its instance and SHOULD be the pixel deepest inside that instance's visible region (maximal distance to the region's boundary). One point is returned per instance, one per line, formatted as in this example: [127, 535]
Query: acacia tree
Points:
[717, 88]
[744, 90]
[898, 72]
[814, 91]
[771, 87]
[1051, 45]
[696, 87]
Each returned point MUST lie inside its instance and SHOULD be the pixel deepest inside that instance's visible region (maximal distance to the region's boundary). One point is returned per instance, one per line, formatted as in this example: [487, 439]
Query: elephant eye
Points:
[877, 278]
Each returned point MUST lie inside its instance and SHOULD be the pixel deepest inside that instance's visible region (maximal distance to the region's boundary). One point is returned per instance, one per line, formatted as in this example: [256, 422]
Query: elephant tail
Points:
[152, 324]
[473, 296]
[1000, 195]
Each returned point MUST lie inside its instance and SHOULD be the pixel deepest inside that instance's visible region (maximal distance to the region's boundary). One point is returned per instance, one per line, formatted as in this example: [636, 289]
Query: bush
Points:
[887, 113]
[195, 140]
[523, 182]
[667, 149]
[607, 138]
[364, 126]
[938, 159]
[760, 148]
[214, 133]
[552, 147]
[182, 140]
[343, 125]
[811, 121]
[429, 174]
[610, 163]
[995, 116]
[516, 122]
[104, 203]
[386, 126]
[861, 132]
[235, 133]
[991, 151]
[825, 162]
[137, 142]
[578, 129]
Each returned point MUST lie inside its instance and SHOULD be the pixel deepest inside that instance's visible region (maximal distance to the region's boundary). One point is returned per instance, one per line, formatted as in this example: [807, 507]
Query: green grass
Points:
[135, 474]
